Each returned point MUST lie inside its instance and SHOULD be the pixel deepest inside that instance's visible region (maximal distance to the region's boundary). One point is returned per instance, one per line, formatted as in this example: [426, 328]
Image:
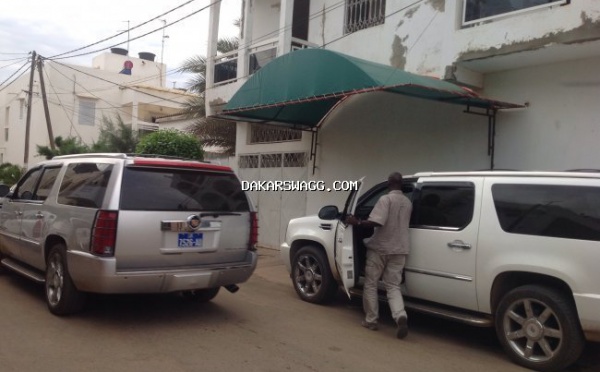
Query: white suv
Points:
[113, 223]
[514, 250]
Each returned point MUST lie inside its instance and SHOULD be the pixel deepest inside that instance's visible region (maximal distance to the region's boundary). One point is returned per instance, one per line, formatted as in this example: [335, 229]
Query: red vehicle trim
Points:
[179, 164]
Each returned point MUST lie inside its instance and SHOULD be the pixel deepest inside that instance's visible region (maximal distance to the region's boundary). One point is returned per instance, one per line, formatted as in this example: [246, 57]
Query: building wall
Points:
[561, 127]
[129, 96]
[375, 134]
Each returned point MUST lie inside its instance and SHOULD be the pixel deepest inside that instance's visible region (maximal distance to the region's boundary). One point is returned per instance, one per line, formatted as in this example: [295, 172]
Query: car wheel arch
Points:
[51, 241]
[509, 280]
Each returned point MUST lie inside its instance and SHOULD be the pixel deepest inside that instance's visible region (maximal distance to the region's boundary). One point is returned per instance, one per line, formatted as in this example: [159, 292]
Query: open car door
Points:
[344, 242]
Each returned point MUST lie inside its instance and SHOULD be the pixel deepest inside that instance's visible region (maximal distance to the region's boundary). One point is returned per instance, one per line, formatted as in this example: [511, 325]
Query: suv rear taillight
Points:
[253, 231]
[104, 233]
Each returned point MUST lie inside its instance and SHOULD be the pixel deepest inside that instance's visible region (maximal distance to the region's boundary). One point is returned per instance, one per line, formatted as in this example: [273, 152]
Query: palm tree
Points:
[211, 132]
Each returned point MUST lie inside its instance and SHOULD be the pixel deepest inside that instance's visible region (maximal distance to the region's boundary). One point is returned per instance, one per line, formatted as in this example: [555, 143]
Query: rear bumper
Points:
[97, 274]
[589, 317]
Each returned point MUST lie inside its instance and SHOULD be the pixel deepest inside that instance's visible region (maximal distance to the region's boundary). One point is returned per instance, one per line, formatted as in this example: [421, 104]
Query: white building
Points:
[541, 54]
[79, 97]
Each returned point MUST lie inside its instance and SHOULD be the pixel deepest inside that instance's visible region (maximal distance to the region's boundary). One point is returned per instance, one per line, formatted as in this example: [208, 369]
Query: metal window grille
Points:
[248, 161]
[476, 11]
[87, 112]
[361, 14]
[294, 159]
[270, 160]
[260, 133]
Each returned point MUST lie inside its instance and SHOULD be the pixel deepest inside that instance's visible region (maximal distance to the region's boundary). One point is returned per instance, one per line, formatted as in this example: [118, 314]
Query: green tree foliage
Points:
[116, 137]
[171, 142]
[66, 146]
[10, 173]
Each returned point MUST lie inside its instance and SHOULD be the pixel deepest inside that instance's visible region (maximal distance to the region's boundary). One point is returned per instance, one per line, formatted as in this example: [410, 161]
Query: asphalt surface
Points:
[262, 327]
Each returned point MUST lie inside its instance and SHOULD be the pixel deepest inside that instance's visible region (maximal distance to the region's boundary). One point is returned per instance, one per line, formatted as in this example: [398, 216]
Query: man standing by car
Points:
[386, 254]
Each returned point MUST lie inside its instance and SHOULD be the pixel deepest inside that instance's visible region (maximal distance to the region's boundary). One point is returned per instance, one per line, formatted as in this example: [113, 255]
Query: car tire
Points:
[312, 276]
[62, 297]
[200, 295]
[539, 328]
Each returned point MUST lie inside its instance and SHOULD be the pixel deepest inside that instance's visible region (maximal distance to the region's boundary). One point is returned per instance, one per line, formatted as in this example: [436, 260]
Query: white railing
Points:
[259, 54]
[478, 11]
[302, 44]
[225, 68]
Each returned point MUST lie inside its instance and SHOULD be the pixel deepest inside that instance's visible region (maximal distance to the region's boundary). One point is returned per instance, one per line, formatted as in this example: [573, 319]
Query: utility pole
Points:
[29, 103]
[45, 101]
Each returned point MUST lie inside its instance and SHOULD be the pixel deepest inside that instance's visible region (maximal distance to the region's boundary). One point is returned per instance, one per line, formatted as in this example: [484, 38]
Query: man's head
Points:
[395, 181]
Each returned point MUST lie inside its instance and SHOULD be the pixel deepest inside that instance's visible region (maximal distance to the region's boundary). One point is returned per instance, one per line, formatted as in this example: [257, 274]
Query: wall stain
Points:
[409, 13]
[398, 58]
[439, 5]
[588, 31]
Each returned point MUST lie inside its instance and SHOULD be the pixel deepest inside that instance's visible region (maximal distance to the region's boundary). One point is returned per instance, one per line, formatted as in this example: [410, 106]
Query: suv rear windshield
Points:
[181, 190]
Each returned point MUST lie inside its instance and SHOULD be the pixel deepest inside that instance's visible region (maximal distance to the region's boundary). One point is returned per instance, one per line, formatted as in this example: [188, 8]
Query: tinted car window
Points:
[84, 184]
[46, 183]
[27, 185]
[366, 204]
[558, 211]
[181, 190]
[444, 205]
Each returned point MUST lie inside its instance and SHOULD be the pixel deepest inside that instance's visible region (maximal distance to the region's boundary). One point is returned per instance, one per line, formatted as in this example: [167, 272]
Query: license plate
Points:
[187, 240]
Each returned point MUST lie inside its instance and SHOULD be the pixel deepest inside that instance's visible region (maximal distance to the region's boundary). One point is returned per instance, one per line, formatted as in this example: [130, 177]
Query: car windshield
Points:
[181, 190]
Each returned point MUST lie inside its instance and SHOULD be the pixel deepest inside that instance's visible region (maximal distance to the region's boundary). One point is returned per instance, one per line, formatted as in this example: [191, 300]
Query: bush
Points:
[10, 173]
[171, 142]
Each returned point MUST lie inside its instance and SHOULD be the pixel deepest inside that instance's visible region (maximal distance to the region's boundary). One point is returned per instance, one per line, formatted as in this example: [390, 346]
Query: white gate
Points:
[275, 208]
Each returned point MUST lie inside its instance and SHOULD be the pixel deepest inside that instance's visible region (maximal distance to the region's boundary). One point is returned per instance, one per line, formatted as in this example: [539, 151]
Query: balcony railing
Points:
[259, 55]
[226, 67]
[476, 11]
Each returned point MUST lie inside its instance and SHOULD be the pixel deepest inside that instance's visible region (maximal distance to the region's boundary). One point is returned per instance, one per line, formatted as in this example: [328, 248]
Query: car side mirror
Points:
[329, 212]
[4, 190]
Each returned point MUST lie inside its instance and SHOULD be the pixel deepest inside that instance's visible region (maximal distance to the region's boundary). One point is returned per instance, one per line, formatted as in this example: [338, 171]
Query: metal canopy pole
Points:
[491, 115]
[313, 148]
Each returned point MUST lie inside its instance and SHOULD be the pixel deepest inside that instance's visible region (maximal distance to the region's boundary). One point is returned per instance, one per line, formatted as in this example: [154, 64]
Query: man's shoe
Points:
[402, 324]
[368, 325]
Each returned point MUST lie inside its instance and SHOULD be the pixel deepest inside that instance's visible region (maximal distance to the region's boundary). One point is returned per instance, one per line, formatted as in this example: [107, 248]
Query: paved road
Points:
[263, 327]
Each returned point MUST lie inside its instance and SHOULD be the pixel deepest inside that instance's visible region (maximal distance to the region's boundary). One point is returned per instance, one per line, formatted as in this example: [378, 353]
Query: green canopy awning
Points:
[299, 88]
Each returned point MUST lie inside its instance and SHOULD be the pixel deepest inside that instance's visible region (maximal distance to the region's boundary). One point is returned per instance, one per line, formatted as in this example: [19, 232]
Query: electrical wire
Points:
[16, 78]
[123, 32]
[311, 17]
[162, 99]
[54, 58]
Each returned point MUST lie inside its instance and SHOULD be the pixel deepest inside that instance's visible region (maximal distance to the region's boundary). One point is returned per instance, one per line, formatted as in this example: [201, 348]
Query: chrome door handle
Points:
[19, 213]
[459, 244]
[39, 215]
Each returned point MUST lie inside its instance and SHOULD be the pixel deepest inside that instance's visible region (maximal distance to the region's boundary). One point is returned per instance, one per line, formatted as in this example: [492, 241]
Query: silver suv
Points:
[113, 223]
[517, 251]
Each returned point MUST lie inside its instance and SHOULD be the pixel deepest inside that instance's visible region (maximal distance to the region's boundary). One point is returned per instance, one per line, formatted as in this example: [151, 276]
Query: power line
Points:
[13, 74]
[61, 104]
[117, 84]
[123, 32]
[311, 17]
[140, 36]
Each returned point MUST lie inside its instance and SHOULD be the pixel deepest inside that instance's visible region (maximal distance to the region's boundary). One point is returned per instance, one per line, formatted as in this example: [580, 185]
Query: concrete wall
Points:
[374, 134]
[561, 128]
[66, 85]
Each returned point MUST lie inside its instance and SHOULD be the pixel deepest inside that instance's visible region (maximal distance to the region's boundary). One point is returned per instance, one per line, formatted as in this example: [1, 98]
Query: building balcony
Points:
[501, 35]
[229, 75]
